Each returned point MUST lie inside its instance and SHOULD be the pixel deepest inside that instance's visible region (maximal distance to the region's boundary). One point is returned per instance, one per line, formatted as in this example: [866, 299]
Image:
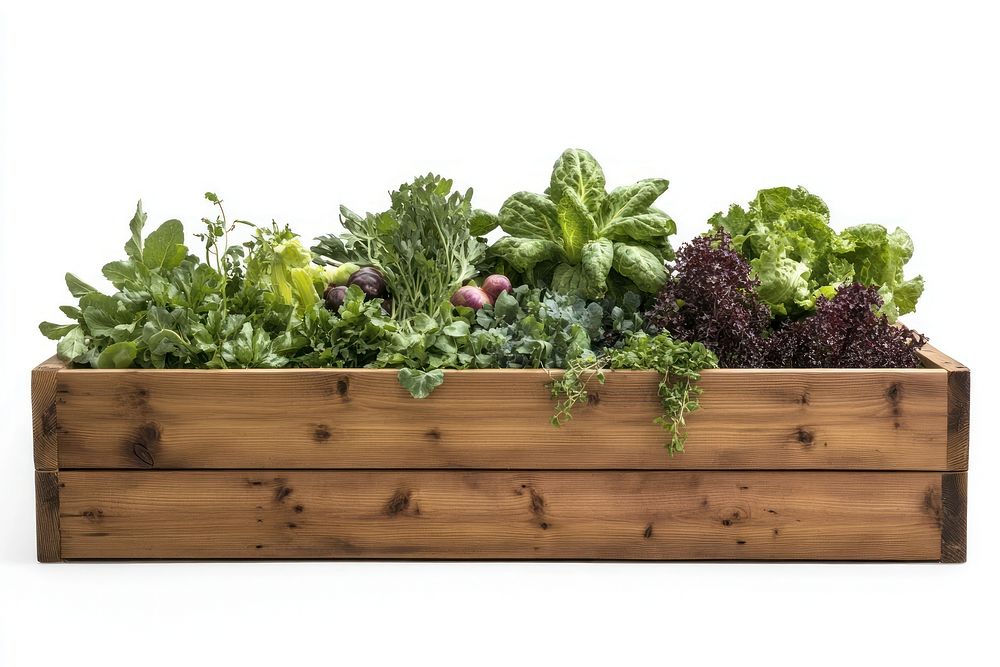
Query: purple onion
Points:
[471, 297]
[495, 285]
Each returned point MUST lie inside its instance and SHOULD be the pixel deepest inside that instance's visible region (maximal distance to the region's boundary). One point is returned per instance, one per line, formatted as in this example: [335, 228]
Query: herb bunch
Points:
[424, 245]
[680, 363]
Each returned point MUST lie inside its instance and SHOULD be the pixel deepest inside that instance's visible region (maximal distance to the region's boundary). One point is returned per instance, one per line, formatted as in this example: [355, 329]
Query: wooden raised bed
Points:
[786, 465]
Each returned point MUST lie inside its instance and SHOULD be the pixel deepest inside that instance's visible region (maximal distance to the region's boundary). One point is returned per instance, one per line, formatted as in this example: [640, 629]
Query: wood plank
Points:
[953, 512]
[497, 419]
[492, 514]
[47, 517]
[958, 404]
[43, 412]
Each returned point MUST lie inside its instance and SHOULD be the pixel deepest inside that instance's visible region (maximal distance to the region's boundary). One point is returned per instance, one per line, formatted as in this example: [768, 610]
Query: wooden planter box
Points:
[786, 465]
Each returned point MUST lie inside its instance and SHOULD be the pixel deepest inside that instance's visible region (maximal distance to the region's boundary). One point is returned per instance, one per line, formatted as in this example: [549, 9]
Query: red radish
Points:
[496, 285]
[471, 297]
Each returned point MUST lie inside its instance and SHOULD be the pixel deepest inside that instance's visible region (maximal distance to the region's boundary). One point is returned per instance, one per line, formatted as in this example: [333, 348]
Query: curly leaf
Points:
[783, 280]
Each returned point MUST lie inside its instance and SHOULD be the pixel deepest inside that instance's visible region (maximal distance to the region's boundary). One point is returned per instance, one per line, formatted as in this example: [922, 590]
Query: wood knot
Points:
[281, 493]
[142, 453]
[399, 502]
[93, 516]
[593, 398]
[343, 384]
[433, 434]
[648, 532]
[894, 395]
[804, 398]
[734, 515]
[804, 437]
[932, 503]
[537, 502]
[322, 433]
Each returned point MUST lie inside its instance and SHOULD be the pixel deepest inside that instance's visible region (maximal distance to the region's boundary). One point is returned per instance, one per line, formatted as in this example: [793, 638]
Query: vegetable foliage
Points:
[423, 245]
[785, 233]
[583, 240]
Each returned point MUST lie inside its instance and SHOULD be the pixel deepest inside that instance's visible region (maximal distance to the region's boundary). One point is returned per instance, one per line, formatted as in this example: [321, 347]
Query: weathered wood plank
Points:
[47, 516]
[497, 419]
[958, 405]
[491, 514]
[953, 511]
[43, 412]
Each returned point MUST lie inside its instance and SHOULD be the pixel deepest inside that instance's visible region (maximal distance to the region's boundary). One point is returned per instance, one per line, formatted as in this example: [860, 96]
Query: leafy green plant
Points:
[583, 240]
[425, 245]
[797, 257]
[679, 362]
[172, 310]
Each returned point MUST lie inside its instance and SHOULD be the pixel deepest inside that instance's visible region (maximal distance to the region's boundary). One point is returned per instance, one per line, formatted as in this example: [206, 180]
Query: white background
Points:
[888, 111]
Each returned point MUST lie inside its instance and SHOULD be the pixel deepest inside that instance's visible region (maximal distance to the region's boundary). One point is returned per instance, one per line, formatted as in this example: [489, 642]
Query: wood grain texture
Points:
[953, 511]
[497, 419]
[513, 514]
[47, 516]
[959, 400]
[43, 413]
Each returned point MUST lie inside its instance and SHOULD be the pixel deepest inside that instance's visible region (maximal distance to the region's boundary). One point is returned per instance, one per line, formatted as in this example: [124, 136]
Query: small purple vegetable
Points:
[471, 297]
[496, 285]
[334, 297]
[369, 281]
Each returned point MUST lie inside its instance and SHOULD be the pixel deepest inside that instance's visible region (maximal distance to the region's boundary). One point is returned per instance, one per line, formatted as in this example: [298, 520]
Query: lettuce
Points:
[582, 240]
[785, 234]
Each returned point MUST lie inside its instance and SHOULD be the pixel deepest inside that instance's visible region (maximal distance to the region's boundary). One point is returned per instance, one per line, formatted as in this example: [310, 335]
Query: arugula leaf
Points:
[72, 346]
[77, 287]
[133, 248]
[118, 355]
[164, 248]
[55, 331]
